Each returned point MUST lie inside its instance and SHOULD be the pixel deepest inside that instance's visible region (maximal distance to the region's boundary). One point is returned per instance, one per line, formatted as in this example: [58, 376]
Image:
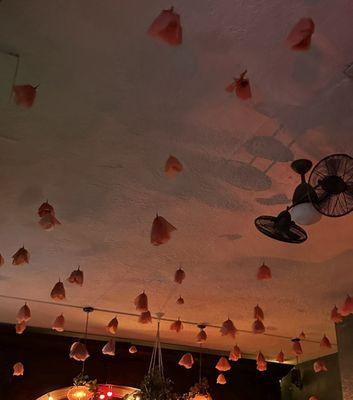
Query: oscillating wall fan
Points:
[329, 191]
[332, 181]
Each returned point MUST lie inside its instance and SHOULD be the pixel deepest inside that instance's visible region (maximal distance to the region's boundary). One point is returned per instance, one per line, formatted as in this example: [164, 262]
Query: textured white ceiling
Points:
[113, 104]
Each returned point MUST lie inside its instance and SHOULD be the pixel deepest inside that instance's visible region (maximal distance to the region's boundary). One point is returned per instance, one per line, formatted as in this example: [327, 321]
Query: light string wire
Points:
[129, 314]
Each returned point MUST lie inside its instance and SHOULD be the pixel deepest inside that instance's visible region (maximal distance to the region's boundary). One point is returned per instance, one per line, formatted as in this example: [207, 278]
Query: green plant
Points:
[91, 384]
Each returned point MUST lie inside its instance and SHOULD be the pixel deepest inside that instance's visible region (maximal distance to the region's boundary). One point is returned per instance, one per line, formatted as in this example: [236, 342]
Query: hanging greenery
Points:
[155, 387]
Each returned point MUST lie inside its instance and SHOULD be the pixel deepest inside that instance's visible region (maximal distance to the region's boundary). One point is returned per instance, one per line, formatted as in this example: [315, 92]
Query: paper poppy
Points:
[320, 366]
[241, 87]
[18, 369]
[23, 314]
[112, 327]
[132, 350]
[179, 276]
[25, 95]
[176, 326]
[201, 337]
[58, 292]
[161, 230]
[78, 351]
[280, 357]
[167, 27]
[173, 167]
[258, 313]
[258, 327]
[264, 273]
[76, 276]
[223, 365]
[336, 317]
[59, 323]
[20, 257]
[109, 348]
[221, 380]
[141, 302]
[325, 343]
[299, 38]
[186, 361]
[228, 328]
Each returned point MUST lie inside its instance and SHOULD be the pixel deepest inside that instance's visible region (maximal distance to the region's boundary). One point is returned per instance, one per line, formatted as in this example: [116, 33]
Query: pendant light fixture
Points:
[82, 389]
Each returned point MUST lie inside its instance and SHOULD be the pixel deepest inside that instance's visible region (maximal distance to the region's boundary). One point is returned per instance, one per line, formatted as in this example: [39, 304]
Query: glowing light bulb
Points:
[50, 397]
[110, 394]
[102, 396]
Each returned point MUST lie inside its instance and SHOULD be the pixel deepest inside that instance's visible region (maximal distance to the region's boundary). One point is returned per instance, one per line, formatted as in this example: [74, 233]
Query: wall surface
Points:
[48, 367]
[345, 342]
[324, 385]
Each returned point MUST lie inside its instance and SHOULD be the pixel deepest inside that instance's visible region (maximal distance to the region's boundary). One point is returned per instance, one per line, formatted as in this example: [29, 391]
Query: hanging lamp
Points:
[200, 390]
[154, 384]
[83, 389]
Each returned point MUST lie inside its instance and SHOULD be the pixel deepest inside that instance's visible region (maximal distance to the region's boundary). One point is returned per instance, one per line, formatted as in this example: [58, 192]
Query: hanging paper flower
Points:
[280, 357]
[2, 261]
[241, 86]
[347, 306]
[25, 95]
[258, 327]
[109, 348]
[23, 314]
[47, 216]
[173, 167]
[325, 343]
[180, 301]
[161, 230]
[320, 366]
[258, 313]
[78, 351]
[186, 361]
[223, 365]
[261, 363]
[336, 317]
[59, 323]
[112, 327]
[201, 336]
[302, 336]
[58, 291]
[76, 276]
[18, 369]
[235, 355]
[179, 276]
[141, 302]
[300, 36]
[20, 257]
[167, 27]
[221, 380]
[20, 327]
[132, 350]
[264, 273]
[297, 348]
[228, 328]
[176, 326]
[145, 317]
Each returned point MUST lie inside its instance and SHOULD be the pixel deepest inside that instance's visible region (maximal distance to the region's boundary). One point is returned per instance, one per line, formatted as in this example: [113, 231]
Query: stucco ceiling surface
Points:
[113, 104]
